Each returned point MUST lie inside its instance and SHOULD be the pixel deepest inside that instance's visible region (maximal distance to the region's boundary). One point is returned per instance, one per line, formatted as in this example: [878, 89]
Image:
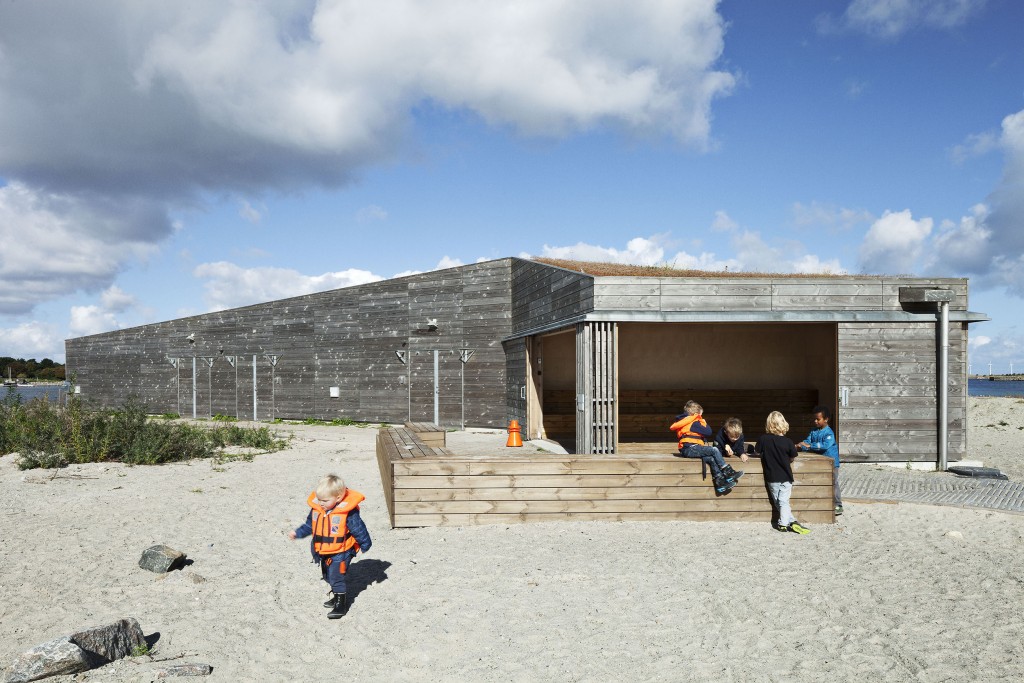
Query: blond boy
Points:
[777, 453]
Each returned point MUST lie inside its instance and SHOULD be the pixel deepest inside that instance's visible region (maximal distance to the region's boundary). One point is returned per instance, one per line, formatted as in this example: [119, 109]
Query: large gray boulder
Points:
[80, 651]
[161, 559]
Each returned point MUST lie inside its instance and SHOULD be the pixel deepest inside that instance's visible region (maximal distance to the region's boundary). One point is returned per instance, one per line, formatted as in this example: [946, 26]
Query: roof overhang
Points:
[750, 317]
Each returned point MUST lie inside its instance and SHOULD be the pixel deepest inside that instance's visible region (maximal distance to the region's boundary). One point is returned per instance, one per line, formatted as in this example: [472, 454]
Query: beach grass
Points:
[44, 434]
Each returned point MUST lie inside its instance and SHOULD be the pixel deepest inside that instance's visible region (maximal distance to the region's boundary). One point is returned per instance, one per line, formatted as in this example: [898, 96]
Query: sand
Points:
[893, 592]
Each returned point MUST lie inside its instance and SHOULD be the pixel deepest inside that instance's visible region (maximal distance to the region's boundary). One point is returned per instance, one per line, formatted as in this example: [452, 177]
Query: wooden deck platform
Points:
[433, 487]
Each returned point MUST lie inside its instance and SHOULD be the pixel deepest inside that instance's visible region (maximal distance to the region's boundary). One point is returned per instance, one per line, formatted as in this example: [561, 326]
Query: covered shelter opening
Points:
[743, 370]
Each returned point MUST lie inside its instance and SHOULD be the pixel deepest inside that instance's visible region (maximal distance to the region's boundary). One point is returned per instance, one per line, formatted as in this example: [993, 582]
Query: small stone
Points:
[54, 658]
[185, 670]
[953, 534]
[80, 651]
[161, 559]
[104, 644]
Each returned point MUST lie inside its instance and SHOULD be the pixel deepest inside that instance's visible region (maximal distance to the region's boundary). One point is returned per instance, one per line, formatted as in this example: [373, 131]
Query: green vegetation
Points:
[44, 370]
[46, 435]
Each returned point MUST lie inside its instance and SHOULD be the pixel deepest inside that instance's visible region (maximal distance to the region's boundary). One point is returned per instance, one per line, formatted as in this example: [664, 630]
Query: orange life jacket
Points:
[682, 430]
[330, 527]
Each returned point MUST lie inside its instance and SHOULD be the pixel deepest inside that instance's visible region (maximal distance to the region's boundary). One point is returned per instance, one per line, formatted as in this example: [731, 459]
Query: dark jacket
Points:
[721, 439]
[776, 453]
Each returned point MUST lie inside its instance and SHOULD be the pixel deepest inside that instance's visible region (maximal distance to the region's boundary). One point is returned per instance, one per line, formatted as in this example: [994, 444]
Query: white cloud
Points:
[639, 250]
[723, 222]
[230, 286]
[116, 300]
[975, 145]
[755, 255]
[988, 244]
[749, 253]
[892, 18]
[371, 214]
[818, 215]
[447, 262]
[126, 111]
[86, 320]
[961, 247]
[62, 243]
[977, 341]
[250, 213]
[32, 339]
[894, 243]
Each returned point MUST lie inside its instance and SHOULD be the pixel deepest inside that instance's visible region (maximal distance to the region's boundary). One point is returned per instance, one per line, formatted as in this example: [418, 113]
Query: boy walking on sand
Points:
[777, 453]
[692, 430]
[823, 440]
[338, 534]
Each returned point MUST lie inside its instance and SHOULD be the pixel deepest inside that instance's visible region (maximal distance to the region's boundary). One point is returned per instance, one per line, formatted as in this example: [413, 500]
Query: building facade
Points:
[599, 362]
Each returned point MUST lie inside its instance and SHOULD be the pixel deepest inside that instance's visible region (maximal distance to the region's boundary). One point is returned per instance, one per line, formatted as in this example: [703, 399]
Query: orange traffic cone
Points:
[514, 439]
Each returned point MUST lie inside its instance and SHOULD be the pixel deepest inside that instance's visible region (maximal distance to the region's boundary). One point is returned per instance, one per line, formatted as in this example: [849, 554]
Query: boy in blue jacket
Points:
[823, 440]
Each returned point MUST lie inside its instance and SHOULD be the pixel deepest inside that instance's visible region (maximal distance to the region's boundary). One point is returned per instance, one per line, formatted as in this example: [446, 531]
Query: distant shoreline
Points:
[998, 378]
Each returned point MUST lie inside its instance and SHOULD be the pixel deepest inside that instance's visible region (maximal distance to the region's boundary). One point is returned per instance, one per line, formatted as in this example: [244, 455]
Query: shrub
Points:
[45, 435]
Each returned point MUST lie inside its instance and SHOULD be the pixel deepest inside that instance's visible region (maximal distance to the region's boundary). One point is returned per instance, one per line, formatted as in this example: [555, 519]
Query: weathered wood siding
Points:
[890, 371]
[345, 338]
[543, 295]
[761, 295]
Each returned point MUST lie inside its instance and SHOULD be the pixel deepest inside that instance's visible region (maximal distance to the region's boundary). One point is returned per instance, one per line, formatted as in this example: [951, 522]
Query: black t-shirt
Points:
[776, 453]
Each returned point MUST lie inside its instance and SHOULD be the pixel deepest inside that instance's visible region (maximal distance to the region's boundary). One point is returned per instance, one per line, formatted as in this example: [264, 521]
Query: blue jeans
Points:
[709, 454]
[780, 492]
[333, 568]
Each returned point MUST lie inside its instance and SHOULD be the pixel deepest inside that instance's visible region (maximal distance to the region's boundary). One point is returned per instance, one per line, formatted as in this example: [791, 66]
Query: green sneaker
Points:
[839, 510]
[781, 527]
[798, 528]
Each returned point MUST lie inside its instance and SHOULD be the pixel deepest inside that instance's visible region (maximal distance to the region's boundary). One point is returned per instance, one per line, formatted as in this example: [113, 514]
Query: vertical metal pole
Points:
[437, 388]
[209, 383]
[462, 394]
[235, 364]
[254, 413]
[195, 389]
[943, 385]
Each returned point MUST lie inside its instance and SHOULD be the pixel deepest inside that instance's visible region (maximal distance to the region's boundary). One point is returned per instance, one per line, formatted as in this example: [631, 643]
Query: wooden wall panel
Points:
[890, 372]
[345, 338]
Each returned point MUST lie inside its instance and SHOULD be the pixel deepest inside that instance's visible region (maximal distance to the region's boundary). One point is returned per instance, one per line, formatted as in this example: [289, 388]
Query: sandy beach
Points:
[892, 592]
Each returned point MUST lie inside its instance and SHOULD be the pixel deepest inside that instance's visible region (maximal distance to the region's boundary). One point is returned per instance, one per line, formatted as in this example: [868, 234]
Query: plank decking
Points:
[433, 487]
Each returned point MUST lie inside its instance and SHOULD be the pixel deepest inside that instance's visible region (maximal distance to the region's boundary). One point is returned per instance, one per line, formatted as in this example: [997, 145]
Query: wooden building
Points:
[601, 362]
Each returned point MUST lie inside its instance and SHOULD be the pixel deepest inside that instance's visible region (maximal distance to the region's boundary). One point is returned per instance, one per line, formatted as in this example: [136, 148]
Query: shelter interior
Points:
[743, 370]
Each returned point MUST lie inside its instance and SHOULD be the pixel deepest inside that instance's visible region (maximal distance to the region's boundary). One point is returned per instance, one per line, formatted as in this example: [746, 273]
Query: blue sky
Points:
[166, 159]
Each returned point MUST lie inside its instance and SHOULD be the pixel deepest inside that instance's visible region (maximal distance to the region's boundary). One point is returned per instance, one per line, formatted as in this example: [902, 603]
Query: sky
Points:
[160, 160]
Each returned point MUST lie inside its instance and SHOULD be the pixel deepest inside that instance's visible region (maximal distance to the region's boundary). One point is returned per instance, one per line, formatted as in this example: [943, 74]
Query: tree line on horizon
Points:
[20, 368]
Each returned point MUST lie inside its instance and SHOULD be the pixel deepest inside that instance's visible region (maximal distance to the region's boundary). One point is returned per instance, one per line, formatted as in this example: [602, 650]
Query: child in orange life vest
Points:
[338, 534]
[692, 430]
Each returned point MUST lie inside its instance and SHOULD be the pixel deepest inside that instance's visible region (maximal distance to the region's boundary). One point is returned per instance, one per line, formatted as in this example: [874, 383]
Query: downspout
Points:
[943, 384]
[914, 297]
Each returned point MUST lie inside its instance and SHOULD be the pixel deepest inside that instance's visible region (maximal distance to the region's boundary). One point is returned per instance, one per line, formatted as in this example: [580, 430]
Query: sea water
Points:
[985, 387]
[27, 392]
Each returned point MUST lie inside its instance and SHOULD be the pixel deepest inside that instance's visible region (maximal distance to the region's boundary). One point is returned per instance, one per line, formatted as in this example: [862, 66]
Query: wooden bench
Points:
[434, 487]
[645, 415]
[428, 432]
[395, 444]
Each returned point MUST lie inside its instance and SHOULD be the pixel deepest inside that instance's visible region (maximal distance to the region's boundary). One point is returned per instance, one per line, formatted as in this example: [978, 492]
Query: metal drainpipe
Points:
[943, 384]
